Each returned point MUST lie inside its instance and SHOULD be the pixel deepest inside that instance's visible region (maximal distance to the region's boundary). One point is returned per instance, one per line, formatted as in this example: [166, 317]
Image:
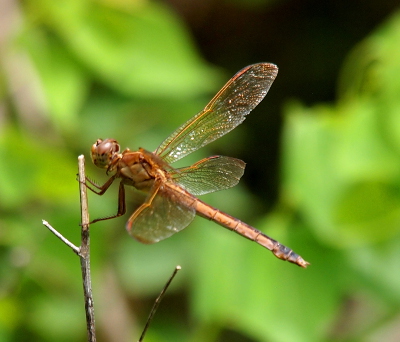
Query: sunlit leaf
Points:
[144, 51]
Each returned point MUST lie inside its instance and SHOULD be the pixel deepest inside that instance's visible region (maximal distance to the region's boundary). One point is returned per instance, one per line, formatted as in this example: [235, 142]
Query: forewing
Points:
[210, 174]
[161, 217]
[226, 110]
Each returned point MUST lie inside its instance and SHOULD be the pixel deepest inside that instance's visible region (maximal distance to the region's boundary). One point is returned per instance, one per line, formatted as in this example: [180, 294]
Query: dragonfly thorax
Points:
[138, 169]
[105, 152]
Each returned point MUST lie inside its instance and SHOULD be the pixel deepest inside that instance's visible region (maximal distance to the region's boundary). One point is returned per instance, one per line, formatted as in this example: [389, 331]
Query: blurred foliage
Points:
[74, 71]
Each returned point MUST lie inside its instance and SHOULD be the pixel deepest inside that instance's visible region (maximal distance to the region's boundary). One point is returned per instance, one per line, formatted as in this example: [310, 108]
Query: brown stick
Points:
[157, 303]
[84, 254]
[83, 251]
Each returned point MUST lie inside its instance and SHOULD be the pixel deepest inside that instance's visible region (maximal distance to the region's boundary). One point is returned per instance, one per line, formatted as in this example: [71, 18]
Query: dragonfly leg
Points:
[121, 202]
[103, 188]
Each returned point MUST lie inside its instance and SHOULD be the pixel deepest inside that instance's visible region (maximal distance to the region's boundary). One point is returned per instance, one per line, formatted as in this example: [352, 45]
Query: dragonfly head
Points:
[104, 152]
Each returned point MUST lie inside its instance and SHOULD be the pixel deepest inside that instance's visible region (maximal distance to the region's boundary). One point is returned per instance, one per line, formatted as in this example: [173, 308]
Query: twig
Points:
[61, 237]
[84, 254]
[83, 251]
[157, 302]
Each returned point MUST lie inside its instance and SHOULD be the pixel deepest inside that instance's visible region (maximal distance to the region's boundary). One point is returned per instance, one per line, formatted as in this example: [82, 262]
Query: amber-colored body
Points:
[172, 202]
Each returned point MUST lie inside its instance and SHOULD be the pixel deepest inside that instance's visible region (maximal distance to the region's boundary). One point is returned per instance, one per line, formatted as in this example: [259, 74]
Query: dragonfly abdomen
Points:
[249, 232]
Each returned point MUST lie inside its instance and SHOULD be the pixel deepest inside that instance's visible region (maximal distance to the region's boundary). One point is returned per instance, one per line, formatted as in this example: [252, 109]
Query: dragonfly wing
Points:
[162, 215]
[210, 174]
[226, 110]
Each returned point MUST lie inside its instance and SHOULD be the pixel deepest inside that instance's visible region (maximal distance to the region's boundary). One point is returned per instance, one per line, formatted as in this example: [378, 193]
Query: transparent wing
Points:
[210, 174]
[226, 110]
[162, 215]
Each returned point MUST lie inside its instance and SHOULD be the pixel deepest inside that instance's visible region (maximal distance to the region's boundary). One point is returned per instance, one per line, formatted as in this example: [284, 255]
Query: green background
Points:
[322, 154]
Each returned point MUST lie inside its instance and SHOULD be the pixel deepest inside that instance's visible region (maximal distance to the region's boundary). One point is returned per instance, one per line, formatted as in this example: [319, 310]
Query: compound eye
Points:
[103, 152]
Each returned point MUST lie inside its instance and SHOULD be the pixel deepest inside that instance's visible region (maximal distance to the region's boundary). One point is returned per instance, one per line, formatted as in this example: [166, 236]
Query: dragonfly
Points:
[171, 201]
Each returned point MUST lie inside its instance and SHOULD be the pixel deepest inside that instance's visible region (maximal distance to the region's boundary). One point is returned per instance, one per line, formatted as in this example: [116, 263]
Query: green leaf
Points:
[37, 171]
[243, 286]
[63, 82]
[141, 51]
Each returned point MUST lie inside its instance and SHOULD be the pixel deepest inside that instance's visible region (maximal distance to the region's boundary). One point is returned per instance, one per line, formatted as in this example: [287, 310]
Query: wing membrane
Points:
[162, 215]
[226, 110]
[210, 174]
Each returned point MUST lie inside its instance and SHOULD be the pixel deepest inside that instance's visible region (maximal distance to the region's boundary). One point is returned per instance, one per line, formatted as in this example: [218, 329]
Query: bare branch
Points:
[157, 302]
[61, 237]
[85, 253]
